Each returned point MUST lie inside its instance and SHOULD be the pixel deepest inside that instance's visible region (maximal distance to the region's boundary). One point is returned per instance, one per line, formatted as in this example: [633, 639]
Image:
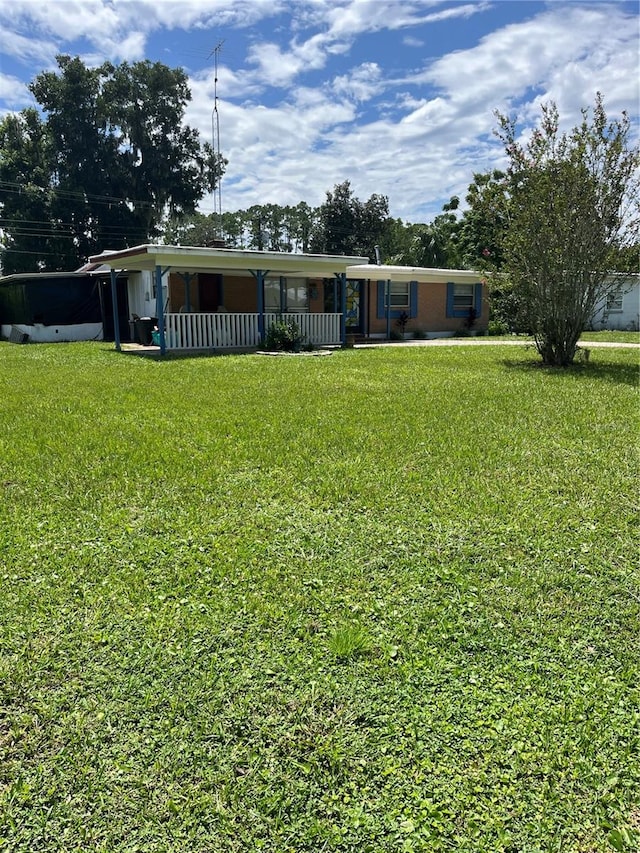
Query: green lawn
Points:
[612, 337]
[385, 600]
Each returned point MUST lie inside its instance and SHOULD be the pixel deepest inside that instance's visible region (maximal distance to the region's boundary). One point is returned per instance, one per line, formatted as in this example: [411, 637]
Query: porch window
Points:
[282, 295]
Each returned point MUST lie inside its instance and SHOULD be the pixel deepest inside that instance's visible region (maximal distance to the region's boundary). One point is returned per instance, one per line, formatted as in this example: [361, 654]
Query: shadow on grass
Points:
[616, 372]
[153, 354]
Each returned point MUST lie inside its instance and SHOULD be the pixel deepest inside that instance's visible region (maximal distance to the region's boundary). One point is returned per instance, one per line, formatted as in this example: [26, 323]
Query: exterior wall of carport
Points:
[431, 314]
[239, 293]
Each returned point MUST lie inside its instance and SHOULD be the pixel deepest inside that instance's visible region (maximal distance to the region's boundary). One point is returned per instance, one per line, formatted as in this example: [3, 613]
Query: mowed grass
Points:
[385, 600]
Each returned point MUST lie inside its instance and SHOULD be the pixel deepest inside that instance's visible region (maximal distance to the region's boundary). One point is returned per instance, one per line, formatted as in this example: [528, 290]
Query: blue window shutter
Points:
[381, 314]
[450, 299]
[413, 299]
[477, 300]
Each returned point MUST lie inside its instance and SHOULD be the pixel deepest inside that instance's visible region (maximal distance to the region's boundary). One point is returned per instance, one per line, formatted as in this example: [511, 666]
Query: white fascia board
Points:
[192, 258]
[382, 272]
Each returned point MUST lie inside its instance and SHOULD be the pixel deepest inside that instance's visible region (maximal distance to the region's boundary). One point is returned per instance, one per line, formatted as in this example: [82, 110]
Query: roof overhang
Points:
[200, 259]
[382, 272]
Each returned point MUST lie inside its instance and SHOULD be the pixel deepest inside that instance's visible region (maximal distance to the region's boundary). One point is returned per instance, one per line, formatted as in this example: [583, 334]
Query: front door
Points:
[354, 306]
[209, 292]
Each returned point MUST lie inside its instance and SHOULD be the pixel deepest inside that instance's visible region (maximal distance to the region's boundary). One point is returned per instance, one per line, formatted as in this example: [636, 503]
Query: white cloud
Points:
[13, 92]
[417, 138]
[25, 48]
[361, 16]
[529, 60]
[361, 84]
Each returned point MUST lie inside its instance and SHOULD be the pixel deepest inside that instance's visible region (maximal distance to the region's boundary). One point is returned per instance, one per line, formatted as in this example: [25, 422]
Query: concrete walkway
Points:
[488, 341]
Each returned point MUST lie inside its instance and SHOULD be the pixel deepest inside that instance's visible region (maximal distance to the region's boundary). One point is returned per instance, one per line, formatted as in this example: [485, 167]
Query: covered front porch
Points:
[215, 298]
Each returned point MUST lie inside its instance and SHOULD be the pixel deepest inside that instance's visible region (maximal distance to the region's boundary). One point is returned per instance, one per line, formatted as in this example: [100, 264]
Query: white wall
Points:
[140, 291]
[41, 334]
[628, 317]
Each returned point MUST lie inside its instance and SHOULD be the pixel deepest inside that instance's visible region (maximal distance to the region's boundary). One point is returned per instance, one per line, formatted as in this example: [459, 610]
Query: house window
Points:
[286, 295]
[399, 295]
[403, 298]
[462, 299]
[614, 300]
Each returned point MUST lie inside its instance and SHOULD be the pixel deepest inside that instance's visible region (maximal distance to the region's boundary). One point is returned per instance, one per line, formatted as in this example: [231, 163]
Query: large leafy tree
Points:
[573, 205]
[484, 221]
[114, 159]
[348, 226]
[25, 173]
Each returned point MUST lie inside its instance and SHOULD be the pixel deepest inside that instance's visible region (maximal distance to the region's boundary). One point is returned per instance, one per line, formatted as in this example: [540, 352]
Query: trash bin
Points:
[144, 329]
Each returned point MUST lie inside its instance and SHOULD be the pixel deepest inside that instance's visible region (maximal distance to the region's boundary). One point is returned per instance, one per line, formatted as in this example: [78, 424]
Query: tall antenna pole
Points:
[215, 138]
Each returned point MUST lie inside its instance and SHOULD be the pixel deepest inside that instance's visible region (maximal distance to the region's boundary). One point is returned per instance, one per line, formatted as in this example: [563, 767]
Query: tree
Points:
[435, 244]
[484, 222]
[114, 159]
[573, 205]
[348, 226]
[25, 169]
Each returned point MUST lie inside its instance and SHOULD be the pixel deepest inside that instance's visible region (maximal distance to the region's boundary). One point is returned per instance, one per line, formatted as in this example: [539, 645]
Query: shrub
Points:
[497, 327]
[284, 336]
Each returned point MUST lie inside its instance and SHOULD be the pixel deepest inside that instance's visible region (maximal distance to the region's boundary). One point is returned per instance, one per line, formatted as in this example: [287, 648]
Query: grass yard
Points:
[381, 601]
[612, 337]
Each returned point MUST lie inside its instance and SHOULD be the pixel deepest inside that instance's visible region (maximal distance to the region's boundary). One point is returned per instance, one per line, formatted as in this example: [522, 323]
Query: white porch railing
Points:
[317, 329]
[208, 331]
[219, 331]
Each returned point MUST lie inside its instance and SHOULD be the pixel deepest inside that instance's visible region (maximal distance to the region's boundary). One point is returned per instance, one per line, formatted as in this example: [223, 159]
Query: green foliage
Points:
[181, 539]
[485, 221]
[264, 227]
[284, 335]
[497, 327]
[110, 159]
[573, 202]
[435, 244]
[348, 226]
[25, 169]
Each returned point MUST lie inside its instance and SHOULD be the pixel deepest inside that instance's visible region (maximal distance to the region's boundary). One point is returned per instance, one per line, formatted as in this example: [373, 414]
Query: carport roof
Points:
[196, 258]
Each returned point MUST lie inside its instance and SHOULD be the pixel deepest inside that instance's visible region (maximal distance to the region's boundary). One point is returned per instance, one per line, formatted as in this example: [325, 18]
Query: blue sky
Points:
[396, 96]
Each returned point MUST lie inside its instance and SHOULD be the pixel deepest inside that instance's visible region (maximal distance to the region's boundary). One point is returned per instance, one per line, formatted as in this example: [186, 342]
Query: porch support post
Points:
[114, 303]
[388, 297]
[342, 278]
[260, 276]
[160, 306]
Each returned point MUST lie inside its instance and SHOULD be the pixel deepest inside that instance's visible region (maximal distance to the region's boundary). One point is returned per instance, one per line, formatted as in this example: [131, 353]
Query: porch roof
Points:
[201, 259]
[421, 274]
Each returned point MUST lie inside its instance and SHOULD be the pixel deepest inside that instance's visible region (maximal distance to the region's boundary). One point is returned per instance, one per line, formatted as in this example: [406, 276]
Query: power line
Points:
[17, 188]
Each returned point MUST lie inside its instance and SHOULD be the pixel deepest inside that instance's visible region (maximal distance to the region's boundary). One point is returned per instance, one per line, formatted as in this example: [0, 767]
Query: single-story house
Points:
[59, 306]
[620, 310]
[203, 298]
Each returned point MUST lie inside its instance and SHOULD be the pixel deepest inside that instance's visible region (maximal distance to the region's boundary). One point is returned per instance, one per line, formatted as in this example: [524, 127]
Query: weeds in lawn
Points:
[349, 641]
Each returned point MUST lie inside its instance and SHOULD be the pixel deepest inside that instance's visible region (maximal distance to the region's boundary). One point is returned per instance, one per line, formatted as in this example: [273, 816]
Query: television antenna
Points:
[215, 137]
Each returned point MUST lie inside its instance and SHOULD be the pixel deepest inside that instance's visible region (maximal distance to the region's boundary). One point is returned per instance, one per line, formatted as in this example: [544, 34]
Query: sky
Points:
[396, 96]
